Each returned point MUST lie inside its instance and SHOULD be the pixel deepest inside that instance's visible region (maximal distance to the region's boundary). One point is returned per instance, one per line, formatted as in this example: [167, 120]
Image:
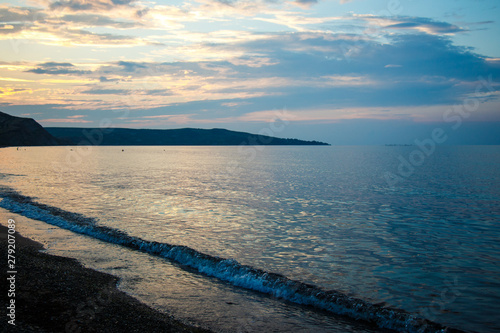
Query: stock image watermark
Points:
[355, 47]
[253, 319]
[440, 304]
[11, 272]
[425, 148]
[87, 311]
[250, 149]
[447, 296]
[95, 136]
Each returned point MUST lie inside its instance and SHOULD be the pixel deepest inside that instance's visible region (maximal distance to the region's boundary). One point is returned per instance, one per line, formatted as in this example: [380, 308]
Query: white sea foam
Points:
[227, 270]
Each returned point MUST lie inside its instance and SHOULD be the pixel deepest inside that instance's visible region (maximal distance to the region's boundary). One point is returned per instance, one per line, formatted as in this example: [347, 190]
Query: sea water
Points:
[341, 239]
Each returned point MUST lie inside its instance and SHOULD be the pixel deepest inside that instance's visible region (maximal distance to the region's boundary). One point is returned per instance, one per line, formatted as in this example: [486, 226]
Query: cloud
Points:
[66, 37]
[106, 91]
[11, 29]
[88, 5]
[95, 20]
[55, 68]
[305, 3]
[144, 92]
[414, 69]
[12, 79]
[301, 70]
[162, 120]
[105, 79]
[308, 2]
[255, 62]
[16, 19]
[11, 91]
[243, 3]
[65, 120]
[53, 27]
[423, 24]
[21, 14]
[56, 64]
[224, 9]
[410, 61]
[246, 4]
[320, 54]
[131, 66]
[158, 92]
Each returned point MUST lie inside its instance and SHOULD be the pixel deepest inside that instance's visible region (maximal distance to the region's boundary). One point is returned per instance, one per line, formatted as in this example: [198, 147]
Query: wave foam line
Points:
[229, 270]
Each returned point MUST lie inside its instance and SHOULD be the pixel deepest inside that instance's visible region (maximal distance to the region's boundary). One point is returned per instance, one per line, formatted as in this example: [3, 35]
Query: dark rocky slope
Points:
[17, 131]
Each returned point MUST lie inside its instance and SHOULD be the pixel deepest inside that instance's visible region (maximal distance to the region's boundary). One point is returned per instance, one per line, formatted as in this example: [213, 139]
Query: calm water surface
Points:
[429, 244]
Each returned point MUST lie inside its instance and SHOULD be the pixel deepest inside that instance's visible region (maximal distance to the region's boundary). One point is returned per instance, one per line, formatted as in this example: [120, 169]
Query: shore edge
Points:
[58, 294]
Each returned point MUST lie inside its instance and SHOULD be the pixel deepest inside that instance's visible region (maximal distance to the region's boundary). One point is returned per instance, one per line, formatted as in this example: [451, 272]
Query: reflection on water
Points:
[190, 297]
[323, 215]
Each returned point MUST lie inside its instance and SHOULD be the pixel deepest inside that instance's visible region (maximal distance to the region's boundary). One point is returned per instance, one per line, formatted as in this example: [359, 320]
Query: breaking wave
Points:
[227, 270]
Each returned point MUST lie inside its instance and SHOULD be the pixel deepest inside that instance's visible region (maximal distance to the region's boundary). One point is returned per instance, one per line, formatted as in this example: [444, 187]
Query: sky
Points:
[340, 71]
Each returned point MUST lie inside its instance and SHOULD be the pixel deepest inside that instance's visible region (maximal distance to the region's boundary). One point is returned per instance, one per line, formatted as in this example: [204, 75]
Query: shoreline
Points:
[58, 294]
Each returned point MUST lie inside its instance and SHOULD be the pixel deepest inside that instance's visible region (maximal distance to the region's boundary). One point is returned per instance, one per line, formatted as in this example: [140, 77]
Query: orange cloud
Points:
[65, 120]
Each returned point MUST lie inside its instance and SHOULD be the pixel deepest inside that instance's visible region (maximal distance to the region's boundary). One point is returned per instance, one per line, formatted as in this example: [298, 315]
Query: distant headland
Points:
[17, 131]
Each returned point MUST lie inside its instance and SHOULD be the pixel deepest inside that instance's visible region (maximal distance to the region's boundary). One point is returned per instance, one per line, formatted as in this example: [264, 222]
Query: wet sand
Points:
[57, 294]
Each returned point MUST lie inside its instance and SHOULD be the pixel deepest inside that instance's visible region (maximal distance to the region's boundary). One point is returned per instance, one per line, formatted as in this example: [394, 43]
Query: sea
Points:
[275, 238]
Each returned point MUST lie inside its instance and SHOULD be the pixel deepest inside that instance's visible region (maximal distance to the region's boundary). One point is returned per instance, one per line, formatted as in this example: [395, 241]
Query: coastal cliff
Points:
[17, 131]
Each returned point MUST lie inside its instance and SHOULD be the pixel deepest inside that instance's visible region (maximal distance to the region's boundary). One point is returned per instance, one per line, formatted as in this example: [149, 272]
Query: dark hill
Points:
[170, 137]
[17, 131]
